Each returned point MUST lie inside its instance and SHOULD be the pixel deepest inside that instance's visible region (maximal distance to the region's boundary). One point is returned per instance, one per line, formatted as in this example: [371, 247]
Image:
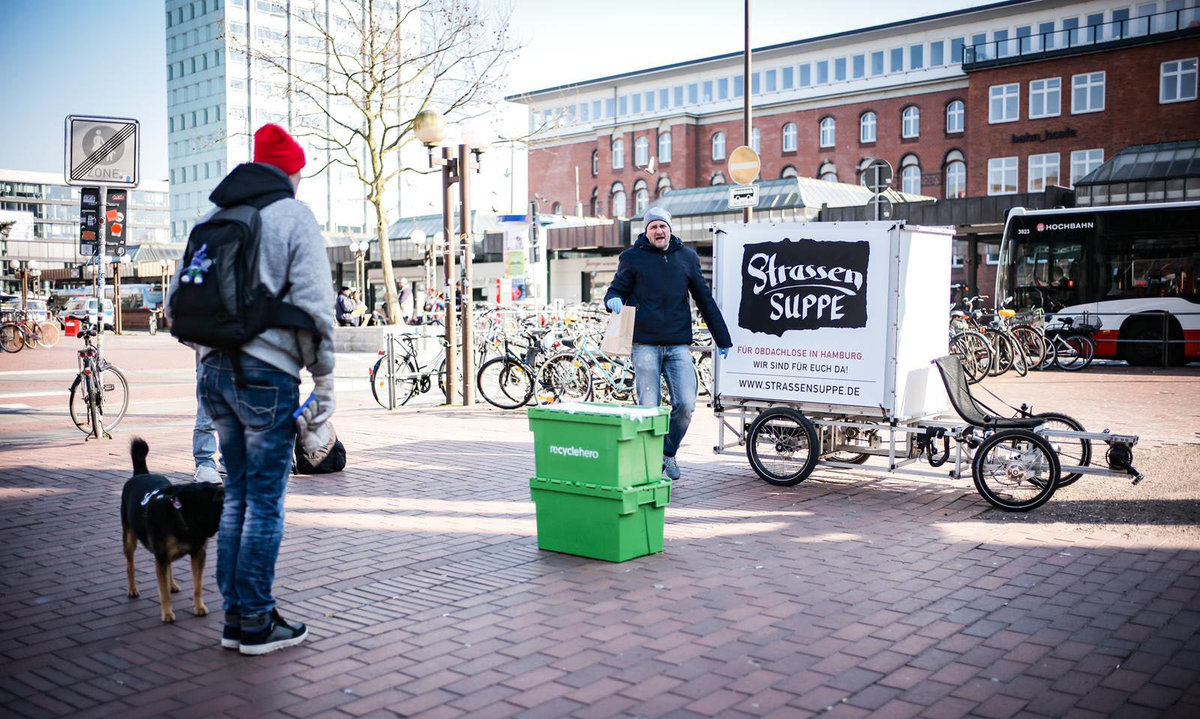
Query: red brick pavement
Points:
[853, 594]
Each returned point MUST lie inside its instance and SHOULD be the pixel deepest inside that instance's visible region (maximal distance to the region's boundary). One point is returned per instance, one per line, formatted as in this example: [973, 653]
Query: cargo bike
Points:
[840, 356]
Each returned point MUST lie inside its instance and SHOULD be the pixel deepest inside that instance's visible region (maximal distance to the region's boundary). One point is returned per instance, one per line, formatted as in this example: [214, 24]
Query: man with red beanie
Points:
[253, 413]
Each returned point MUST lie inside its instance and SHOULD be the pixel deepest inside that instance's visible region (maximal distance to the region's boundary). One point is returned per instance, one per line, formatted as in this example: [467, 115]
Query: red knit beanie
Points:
[274, 146]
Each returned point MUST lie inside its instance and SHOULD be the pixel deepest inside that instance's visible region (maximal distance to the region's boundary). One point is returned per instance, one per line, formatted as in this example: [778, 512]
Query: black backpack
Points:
[220, 302]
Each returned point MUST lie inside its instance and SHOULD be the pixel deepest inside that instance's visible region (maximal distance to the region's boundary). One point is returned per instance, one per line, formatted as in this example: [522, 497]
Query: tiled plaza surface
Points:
[417, 570]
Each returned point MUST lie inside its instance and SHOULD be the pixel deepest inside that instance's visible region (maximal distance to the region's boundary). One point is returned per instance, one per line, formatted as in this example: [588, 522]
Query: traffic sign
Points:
[878, 176]
[879, 207]
[743, 196]
[102, 151]
[743, 165]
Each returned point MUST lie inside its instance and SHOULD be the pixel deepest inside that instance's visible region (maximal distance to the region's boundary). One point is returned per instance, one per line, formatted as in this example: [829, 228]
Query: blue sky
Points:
[100, 57]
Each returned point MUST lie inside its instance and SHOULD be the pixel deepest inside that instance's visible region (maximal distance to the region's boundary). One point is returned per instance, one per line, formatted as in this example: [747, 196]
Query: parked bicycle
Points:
[410, 375]
[1069, 345]
[99, 396]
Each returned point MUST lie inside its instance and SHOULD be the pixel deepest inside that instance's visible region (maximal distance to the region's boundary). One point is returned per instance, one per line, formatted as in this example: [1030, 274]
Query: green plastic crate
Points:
[592, 443]
[601, 522]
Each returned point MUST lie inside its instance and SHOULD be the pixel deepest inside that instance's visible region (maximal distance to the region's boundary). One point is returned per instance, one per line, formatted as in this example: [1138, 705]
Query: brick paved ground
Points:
[855, 593]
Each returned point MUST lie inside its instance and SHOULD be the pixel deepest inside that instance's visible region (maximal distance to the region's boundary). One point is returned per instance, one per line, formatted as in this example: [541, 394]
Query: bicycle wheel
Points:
[49, 334]
[406, 385]
[111, 395]
[31, 335]
[975, 352]
[441, 382]
[1004, 352]
[1032, 342]
[704, 374]
[1020, 363]
[12, 337]
[781, 445]
[1015, 470]
[1071, 451]
[505, 382]
[1075, 352]
[562, 378]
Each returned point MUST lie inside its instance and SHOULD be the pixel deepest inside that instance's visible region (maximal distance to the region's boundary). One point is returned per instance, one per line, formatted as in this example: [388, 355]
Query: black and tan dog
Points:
[170, 520]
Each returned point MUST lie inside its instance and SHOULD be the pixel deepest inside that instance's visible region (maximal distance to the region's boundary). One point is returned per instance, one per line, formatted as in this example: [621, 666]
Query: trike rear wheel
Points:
[782, 447]
[1016, 470]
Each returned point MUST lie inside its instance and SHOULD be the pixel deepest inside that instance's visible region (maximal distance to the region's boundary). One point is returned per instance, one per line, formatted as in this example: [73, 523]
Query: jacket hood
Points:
[252, 183]
[644, 243]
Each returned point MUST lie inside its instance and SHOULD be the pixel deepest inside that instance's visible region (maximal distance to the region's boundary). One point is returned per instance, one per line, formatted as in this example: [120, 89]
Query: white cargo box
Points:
[837, 317]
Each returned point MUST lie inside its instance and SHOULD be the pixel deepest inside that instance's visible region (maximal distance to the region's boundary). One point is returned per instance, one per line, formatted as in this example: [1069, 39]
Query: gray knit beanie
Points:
[657, 213]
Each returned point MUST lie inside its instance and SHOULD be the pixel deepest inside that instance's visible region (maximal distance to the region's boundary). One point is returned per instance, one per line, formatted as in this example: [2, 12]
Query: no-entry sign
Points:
[102, 151]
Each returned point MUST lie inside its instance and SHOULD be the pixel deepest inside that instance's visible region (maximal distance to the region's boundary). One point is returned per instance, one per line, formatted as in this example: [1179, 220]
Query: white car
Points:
[34, 307]
[84, 308]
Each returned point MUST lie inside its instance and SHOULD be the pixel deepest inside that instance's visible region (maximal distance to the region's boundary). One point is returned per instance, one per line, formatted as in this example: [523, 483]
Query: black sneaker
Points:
[231, 637]
[264, 633]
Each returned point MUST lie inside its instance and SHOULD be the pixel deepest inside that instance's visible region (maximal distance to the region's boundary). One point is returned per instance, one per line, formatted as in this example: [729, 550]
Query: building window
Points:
[595, 202]
[637, 103]
[788, 79]
[664, 147]
[789, 137]
[916, 57]
[788, 171]
[707, 91]
[805, 75]
[1084, 161]
[718, 146]
[839, 69]
[1043, 171]
[641, 152]
[827, 172]
[618, 155]
[716, 179]
[827, 132]
[618, 200]
[641, 197]
[866, 127]
[897, 60]
[664, 185]
[861, 171]
[755, 144]
[771, 81]
[1002, 176]
[937, 54]
[956, 113]
[556, 208]
[910, 122]
[1045, 98]
[650, 101]
[664, 99]
[1004, 103]
[1087, 93]
[877, 62]
[595, 162]
[823, 72]
[723, 89]
[956, 175]
[1178, 81]
[910, 175]
[956, 50]
[859, 66]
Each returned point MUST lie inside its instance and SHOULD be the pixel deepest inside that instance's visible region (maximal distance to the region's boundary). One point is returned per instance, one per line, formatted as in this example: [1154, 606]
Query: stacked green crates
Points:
[598, 488]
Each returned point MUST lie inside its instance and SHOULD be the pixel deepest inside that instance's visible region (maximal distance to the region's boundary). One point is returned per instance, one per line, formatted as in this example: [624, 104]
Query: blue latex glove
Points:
[614, 305]
[724, 352]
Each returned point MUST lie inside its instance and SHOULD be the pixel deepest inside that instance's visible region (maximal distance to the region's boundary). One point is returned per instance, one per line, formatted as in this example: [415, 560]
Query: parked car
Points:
[35, 308]
[84, 308]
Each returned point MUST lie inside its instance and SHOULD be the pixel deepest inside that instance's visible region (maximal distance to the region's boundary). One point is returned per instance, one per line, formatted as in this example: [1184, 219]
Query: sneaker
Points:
[670, 468]
[231, 637]
[264, 633]
[207, 473]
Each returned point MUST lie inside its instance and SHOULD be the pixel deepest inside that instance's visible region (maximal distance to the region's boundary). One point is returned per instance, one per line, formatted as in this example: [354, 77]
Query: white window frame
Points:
[1179, 74]
[868, 121]
[664, 147]
[1036, 167]
[718, 146]
[910, 122]
[1081, 86]
[832, 132]
[790, 134]
[907, 174]
[1044, 89]
[1008, 96]
[641, 151]
[1085, 161]
[963, 168]
[1003, 165]
[618, 154]
[957, 109]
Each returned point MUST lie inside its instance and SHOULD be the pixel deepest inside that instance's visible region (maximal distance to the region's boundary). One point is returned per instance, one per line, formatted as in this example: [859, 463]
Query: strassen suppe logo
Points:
[574, 452]
[803, 285]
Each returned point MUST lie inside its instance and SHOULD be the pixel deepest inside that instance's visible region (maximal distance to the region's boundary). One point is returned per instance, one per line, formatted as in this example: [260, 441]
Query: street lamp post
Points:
[360, 265]
[26, 270]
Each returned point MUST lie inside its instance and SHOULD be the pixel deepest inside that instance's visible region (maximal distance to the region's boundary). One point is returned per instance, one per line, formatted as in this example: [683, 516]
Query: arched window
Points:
[956, 175]
[595, 162]
[618, 154]
[641, 197]
[717, 179]
[664, 186]
[866, 127]
[956, 114]
[641, 152]
[910, 175]
[556, 208]
[755, 141]
[910, 122]
[718, 146]
[618, 200]
[828, 172]
[664, 147]
[788, 171]
[827, 132]
[595, 209]
[789, 137]
[861, 170]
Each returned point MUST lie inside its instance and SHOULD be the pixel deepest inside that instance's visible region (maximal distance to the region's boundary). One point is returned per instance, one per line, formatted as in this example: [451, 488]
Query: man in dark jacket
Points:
[656, 275]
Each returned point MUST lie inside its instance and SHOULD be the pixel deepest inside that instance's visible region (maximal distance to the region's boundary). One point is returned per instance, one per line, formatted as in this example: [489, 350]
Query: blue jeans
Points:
[650, 362]
[204, 434]
[258, 435]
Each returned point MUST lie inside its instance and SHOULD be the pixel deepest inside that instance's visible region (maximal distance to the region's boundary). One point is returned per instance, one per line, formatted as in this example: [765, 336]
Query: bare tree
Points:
[358, 76]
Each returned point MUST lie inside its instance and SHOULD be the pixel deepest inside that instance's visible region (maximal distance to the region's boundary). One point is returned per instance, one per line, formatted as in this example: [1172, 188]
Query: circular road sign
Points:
[743, 165]
[878, 176]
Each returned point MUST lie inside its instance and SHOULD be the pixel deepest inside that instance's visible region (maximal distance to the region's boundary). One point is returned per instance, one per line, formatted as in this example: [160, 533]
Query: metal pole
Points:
[101, 258]
[117, 323]
[875, 169]
[25, 289]
[448, 172]
[747, 213]
[464, 223]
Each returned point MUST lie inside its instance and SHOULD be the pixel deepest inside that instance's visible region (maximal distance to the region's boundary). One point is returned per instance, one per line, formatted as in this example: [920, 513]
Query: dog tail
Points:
[138, 449]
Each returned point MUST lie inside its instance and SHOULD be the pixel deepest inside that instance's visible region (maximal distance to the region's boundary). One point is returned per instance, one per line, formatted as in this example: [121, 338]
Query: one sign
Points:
[879, 208]
[878, 176]
[89, 220]
[743, 196]
[807, 307]
[115, 211]
[743, 165]
[102, 151]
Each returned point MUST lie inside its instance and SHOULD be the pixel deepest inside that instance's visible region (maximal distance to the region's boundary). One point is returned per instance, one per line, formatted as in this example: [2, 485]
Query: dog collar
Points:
[149, 496]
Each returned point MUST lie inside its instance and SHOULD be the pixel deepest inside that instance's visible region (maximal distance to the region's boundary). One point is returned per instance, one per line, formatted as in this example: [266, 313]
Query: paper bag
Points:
[618, 336]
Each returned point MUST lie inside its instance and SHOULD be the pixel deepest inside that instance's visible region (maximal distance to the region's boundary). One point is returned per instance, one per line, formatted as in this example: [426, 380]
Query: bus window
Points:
[1047, 274]
[1152, 267]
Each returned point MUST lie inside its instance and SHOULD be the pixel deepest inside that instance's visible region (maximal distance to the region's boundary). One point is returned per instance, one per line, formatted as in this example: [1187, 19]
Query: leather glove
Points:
[320, 409]
[614, 305]
[724, 352]
[313, 439]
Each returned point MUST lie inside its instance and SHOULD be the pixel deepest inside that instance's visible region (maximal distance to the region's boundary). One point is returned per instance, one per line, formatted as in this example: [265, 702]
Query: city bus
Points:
[1129, 270]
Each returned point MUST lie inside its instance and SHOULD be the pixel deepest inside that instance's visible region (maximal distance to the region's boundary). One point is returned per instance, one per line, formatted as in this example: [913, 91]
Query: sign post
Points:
[743, 166]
